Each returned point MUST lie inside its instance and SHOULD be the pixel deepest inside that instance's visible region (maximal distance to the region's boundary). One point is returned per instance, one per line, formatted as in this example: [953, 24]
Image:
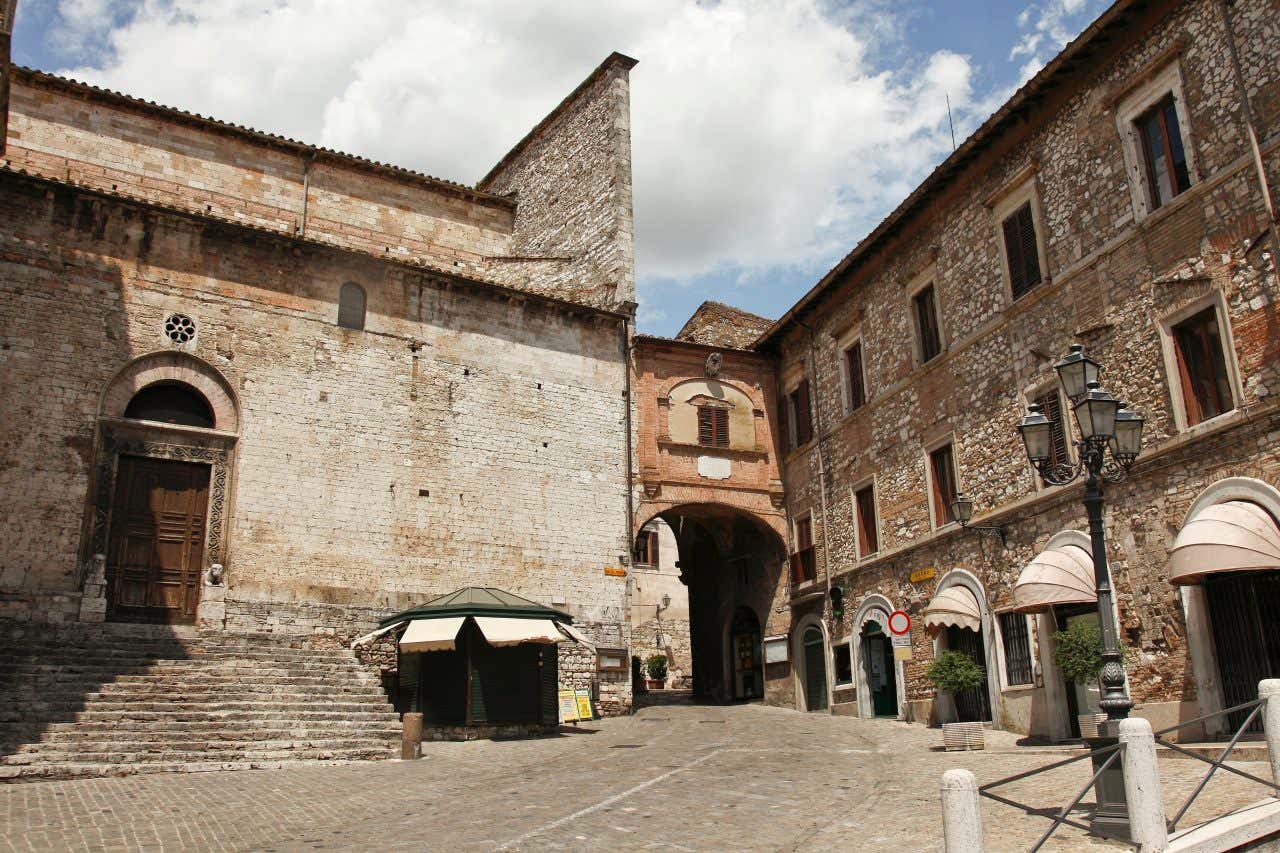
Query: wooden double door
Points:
[155, 550]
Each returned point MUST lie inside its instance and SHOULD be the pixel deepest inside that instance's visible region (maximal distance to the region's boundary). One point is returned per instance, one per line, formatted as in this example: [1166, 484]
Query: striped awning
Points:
[956, 606]
[1062, 575]
[1236, 536]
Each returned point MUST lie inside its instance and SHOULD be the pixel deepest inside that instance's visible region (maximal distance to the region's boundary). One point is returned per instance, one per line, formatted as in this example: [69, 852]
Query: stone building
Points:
[253, 385]
[1116, 202]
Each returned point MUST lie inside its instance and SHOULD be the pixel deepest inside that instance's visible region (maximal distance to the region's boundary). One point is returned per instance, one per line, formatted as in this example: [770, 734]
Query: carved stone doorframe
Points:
[121, 437]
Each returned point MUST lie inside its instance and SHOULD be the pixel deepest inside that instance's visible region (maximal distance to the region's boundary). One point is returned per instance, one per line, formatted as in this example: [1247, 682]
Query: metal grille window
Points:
[1017, 648]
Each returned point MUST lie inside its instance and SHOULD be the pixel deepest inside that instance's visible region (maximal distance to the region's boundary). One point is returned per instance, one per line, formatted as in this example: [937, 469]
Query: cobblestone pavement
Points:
[669, 778]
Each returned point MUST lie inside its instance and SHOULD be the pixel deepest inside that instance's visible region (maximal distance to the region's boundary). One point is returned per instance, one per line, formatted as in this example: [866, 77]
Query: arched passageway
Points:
[731, 564]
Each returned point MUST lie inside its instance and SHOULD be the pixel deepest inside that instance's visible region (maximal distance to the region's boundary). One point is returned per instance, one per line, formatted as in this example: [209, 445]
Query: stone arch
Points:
[970, 581]
[172, 366]
[873, 607]
[798, 669]
[1206, 670]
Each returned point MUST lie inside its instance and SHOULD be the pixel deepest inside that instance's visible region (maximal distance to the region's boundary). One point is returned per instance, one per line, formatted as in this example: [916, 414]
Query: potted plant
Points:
[1078, 652]
[656, 666]
[953, 672]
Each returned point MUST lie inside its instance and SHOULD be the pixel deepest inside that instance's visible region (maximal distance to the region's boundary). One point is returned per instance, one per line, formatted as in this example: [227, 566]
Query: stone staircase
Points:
[107, 700]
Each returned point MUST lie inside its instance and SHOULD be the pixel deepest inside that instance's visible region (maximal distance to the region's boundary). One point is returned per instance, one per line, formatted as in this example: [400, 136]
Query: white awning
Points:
[373, 635]
[574, 634]
[431, 635]
[1236, 536]
[1062, 575]
[956, 606]
[505, 631]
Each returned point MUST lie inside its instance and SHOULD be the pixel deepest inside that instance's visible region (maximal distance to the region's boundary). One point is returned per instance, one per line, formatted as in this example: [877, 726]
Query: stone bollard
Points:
[1147, 826]
[411, 736]
[961, 815]
[1269, 689]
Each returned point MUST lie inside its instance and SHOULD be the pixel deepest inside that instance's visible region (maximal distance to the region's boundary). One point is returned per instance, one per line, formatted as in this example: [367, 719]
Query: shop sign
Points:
[902, 647]
[927, 573]
[615, 572]
[775, 649]
[568, 707]
[584, 704]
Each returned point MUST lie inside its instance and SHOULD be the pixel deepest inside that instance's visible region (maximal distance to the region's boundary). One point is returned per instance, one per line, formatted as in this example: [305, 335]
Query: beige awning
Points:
[956, 606]
[1235, 536]
[505, 631]
[431, 635]
[574, 634]
[1062, 575]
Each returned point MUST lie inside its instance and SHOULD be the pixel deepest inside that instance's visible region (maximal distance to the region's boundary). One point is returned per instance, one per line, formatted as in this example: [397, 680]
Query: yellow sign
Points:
[568, 707]
[584, 705]
[923, 574]
[615, 572]
[902, 653]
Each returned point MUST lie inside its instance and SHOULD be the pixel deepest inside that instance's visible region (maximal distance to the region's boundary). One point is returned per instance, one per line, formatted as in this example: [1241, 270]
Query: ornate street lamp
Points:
[1110, 440]
[962, 512]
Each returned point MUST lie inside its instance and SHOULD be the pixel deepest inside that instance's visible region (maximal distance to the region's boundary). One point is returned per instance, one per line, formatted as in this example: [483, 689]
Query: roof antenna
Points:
[950, 122]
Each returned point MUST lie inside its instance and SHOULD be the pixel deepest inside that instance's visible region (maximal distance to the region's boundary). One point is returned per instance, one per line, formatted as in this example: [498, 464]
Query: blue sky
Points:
[768, 135]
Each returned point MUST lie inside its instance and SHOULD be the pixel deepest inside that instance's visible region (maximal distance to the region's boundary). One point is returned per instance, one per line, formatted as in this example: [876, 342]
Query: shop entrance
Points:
[748, 674]
[815, 670]
[1082, 699]
[877, 661]
[971, 705]
[1242, 608]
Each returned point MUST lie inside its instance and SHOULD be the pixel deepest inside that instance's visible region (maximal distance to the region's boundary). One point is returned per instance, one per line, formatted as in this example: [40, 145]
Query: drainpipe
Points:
[1247, 109]
[631, 509]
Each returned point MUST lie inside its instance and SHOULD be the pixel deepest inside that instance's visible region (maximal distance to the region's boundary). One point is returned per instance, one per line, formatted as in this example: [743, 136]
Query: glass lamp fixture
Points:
[1037, 434]
[1127, 442]
[1096, 413]
[962, 512]
[1075, 371]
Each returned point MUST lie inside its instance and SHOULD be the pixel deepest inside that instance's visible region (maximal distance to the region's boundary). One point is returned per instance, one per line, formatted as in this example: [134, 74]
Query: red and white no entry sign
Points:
[899, 623]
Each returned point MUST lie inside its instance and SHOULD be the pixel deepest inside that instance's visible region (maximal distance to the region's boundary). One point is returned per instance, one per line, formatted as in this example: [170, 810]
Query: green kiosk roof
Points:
[479, 601]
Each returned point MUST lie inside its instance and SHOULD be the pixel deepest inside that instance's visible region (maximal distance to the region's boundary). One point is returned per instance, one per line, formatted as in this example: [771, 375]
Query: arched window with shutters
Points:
[351, 304]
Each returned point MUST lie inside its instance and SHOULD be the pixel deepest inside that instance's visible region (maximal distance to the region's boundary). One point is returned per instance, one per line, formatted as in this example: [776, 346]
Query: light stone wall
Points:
[650, 619]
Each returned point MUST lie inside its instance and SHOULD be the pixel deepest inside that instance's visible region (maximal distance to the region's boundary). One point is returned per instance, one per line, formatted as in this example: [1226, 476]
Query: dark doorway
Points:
[1082, 699]
[744, 639]
[155, 551]
[1242, 608]
[815, 670]
[171, 403]
[877, 663]
[971, 705]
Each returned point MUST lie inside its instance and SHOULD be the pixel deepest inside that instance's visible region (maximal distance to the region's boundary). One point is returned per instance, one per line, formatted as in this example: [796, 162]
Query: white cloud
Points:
[1047, 26]
[763, 134]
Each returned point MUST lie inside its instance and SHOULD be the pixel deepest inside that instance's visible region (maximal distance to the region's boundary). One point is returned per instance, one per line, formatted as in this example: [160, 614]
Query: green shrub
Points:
[952, 672]
[656, 665]
[1079, 652]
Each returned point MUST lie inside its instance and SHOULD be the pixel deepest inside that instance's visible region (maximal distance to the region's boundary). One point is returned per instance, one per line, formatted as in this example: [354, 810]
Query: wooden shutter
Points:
[857, 389]
[804, 424]
[927, 325]
[549, 704]
[785, 439]
[706, 425]
[1202, 367]
[944, 484]
[1021, 250]
[868, 537]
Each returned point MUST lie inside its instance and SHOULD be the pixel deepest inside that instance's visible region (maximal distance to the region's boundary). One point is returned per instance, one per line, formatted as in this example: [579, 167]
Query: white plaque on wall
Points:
[775, 650]
[714, 467]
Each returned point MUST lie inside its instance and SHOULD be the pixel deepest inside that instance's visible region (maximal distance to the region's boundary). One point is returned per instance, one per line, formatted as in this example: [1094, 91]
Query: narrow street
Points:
[676, 777]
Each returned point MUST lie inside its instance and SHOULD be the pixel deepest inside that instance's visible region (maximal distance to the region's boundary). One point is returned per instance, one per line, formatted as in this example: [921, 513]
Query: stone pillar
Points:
[411, 736]
[211, 612]
[961, 814]
[1147, 826]
[93, 596]
[1269, 689]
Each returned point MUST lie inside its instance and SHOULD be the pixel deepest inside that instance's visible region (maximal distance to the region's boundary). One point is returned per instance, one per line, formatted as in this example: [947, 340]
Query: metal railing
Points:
[1062, 817]
[1255, 708]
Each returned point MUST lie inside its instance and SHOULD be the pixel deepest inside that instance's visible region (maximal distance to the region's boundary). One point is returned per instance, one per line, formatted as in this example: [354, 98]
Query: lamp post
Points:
[1110, 439]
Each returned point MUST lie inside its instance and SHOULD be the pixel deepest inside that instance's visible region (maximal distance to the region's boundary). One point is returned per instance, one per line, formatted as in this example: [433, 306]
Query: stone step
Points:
[39, 667]
[350, 750]
[256, 729]
[67, 750]
[79, 710]
[70, 770]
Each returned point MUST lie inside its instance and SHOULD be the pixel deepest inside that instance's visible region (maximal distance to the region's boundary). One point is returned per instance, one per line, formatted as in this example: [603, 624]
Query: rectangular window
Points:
[803, 564]
[1017, 648]
[857, 387]
[844, 664]
[713, 426]
[798, 415]
[1050, 405]
[1202, 367]
[943, 471]
[1022, 250]
[926, 311]
[647, 548]
[1163, 156]
[865, 506]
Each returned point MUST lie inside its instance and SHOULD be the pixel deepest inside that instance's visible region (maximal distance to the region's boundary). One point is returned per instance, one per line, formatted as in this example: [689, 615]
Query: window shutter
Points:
[785, 439]
[720, 427]
[706, 425]
[1050, 404]
[1021, 250]
[853, 363]
[804, 424]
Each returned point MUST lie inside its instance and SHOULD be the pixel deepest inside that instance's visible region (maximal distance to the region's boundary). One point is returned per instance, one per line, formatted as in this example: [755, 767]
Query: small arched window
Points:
[171, 403]
[351, 300]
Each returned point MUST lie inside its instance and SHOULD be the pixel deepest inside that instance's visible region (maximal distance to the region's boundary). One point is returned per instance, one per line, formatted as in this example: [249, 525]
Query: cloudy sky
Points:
[768, 136]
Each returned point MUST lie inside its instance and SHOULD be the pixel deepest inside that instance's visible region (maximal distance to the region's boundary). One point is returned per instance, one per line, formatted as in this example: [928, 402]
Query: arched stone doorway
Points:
[970, 634]
[155, 540]
[731, 563]
[814, 688]
[877, 675]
